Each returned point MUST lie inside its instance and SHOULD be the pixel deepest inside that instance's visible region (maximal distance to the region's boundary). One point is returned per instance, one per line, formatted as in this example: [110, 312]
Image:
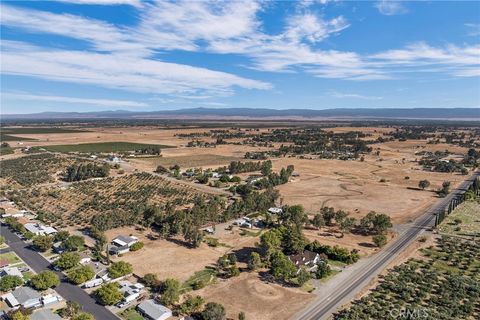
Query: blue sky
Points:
[92, 55]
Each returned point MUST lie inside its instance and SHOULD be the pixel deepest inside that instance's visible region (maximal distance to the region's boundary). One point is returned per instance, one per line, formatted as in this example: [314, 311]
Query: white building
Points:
[153, 310]
[131, 291]
[122, 244]
[10, 271]
[275, 210]
[39, 229]
[23, 296]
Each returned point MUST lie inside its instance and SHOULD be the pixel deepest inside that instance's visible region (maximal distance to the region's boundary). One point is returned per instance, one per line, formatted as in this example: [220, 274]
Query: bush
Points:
[213, 311]
[136, 246]
[150, 280]
[380, 240]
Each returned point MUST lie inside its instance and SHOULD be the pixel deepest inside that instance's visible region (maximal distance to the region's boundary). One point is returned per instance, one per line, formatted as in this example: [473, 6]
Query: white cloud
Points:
[474, 29]
[390, 7]
[341, 95]
[118, 71]
[73, 100]
[135, 3]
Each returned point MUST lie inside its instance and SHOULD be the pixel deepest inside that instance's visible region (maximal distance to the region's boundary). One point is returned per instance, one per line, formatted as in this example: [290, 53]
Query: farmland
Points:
[102, 147]
[464, 221]
[120, 200]
[32, 170]
[444, 284]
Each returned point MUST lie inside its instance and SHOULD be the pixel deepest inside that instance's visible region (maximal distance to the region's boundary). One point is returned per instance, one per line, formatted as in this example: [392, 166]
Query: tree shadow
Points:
[367, 245]
[244, 253]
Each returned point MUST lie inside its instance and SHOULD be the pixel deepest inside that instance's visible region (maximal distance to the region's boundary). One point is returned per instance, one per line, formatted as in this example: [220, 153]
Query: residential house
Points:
[58, 248]
[11, 271]
[307, 259]
[122, 244]
[50, 299]
[153, 310]
[44, 314]
[275, 210]
[23, 296]
[131, 291]
[39, 229]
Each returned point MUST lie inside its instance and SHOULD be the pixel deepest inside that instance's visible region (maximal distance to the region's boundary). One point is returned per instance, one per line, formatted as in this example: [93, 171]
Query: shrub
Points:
[136, 246]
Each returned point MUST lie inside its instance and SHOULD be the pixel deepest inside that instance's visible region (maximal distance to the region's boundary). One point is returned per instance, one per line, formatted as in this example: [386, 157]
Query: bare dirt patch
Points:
[258, 299]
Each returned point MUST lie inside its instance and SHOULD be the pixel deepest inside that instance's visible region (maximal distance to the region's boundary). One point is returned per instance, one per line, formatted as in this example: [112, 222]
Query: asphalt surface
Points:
[325, 306]
[67, 290]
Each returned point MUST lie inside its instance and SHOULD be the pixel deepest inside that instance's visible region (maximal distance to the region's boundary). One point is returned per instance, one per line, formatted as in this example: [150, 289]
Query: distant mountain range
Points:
[252, 113]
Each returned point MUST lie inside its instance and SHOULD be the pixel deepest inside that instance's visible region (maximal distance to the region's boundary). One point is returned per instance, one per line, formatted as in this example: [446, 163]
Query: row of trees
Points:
[84, 171]
[240, 167]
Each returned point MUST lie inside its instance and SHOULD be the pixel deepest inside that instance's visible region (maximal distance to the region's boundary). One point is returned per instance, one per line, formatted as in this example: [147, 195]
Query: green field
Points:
[5, 150]
[102, 147]
[39, 130]
[131, 314]
[7, 137]
[468, 224]
[205, 277]
[11, 257]
[196, 161]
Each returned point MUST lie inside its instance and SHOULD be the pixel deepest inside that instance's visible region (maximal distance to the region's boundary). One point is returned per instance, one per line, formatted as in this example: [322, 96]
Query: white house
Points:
[39, 229]
[10, 271]
[122, 244]
[275, 210]
[23, 296]
[307, 259]
[153, 310]
[85, 258]
[93, 283]
[131, 291]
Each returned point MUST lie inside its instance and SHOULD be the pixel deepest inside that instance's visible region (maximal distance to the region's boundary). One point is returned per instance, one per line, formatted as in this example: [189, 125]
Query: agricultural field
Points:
[189, 161]
[15, 133]
[443, 284]
[119, 201]
[32, 170]
[464, 221]
[102, 147]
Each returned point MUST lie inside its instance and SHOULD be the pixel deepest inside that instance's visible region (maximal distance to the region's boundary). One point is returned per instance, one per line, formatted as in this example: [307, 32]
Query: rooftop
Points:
[153, 309]
[44, 314]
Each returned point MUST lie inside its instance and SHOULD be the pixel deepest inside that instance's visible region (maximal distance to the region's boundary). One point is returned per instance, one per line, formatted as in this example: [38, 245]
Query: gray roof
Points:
[153, 309]
[126, 239]
[45, 314]
[24, 294]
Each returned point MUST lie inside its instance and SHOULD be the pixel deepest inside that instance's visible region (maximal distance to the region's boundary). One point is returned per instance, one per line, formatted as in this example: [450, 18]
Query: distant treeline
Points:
[241, 167]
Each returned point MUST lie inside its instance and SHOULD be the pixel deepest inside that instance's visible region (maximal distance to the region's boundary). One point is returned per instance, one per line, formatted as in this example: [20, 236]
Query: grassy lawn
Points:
[102, 147]
[27, 275]
[131, 314]
[335, 263]
[205, 277]
[198, 160]
[245, 232]
[469, 214]
[11, 257]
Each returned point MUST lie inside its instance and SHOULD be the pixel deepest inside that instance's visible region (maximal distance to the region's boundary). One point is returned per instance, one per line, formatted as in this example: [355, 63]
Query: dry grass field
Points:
[258, 299]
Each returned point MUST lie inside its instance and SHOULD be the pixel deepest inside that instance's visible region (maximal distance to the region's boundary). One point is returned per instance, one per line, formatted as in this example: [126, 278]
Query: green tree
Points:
[293, 240]
[380, 240]
[109, 294]
[61, 236]
[423, 184]
[328, 214]
[170, 290]
[136, 246]
[74, 243]
[347, 224]
[44, 280]
[150, 280]
[42, 243]
[213, 311]
[18, 315]
[2, 240]
[67, 260]
[340, 216]
[120, 269]
[81, 274]
[381, 223]
[270, 241]
[281, 268]
[323, 270]
[71, 309]
[254, 261]
[318, 221]
[303, 277]
[9, 282]
[191, 305]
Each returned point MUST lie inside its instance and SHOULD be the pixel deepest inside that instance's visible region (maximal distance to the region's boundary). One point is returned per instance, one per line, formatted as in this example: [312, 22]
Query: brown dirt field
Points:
[259, 300]
[168, 259]
[355, 186]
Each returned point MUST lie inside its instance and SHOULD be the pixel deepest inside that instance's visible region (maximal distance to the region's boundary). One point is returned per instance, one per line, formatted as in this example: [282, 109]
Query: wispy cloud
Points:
[390, 7]
[473, 29]
[341, 95]
[73, 100]
[135, 3]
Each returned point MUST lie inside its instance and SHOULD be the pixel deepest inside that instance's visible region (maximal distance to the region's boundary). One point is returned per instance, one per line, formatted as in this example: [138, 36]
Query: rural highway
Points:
[325, 306]
[67, 290]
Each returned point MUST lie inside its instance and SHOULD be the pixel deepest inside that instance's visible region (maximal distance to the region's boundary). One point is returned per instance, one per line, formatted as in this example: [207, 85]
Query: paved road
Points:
[324, 306]
[67, 290]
